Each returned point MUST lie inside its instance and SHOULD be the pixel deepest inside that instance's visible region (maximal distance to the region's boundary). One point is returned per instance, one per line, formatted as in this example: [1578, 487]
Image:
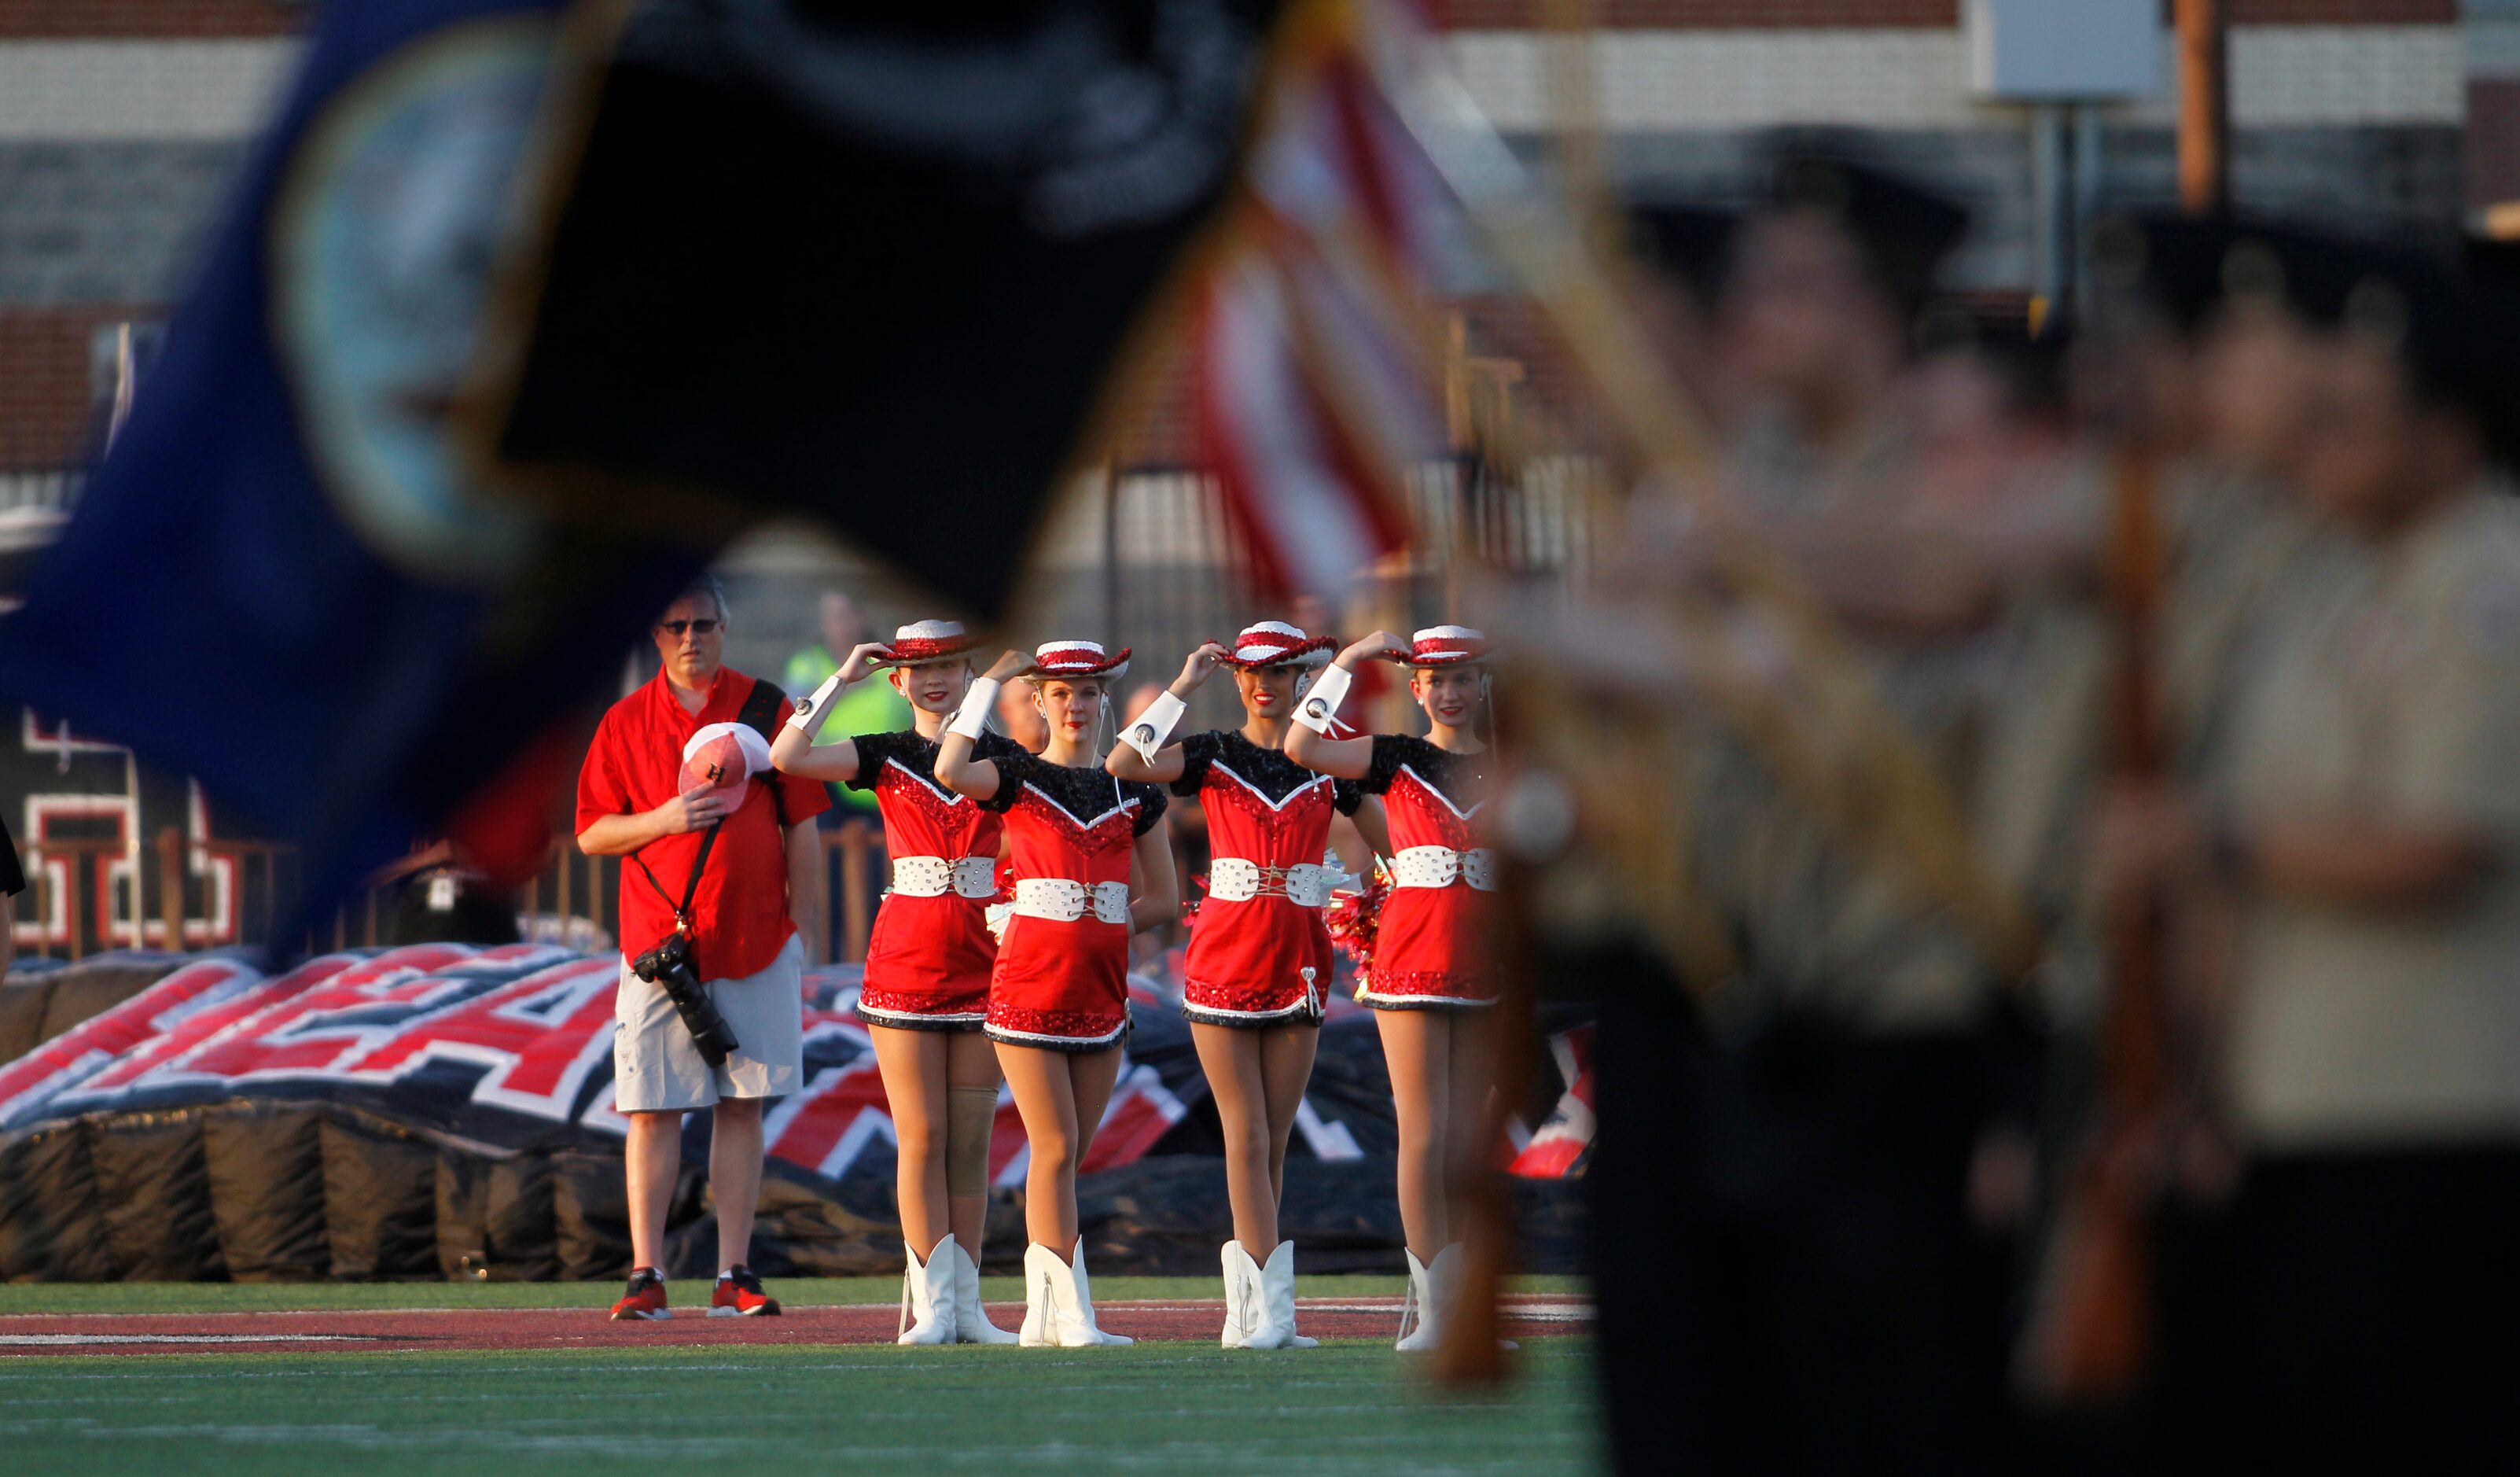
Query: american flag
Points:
[1320, 375]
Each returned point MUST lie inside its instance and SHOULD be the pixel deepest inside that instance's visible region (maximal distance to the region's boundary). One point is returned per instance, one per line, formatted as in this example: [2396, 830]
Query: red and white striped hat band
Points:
[1275, 643]
[925, 641]
[1446, 646]
[1077, 659]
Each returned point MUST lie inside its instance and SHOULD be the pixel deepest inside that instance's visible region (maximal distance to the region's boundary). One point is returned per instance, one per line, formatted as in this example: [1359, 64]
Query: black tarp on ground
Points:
[52, 1222]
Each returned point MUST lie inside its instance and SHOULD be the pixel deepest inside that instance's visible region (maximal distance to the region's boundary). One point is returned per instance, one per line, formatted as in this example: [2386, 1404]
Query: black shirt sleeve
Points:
[1151, 802]
[1012, 771]
[1198, 750]
[873, 749]
[1390, 752]
[1346, 795]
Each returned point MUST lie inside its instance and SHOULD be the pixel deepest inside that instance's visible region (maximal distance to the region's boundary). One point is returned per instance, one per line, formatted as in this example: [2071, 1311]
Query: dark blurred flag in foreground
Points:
[280, 581]
[1319, 361]
[870, 262]
[873, 270]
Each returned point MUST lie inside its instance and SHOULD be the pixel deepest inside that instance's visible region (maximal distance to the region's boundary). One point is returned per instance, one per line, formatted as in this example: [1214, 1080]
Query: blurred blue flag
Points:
[279, 581]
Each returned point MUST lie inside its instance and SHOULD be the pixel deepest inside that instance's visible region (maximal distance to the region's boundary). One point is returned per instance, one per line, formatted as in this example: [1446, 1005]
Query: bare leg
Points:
[913, 1066]
[969, 1062]
[1047, 1101]
[1417, 1049]
[1231, 1058]
[1091, 1076]
[1285, 1069]
[649, 1160]
[735, 1176]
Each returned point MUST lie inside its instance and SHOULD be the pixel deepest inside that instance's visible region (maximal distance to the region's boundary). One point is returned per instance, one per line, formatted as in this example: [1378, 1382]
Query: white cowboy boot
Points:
[1040, 1314]
[1431, 1293]
[1247, 1321]
[1070, 1322]
[971, 1323]
[927, 1295]
[1276, 1285]
[1238, 1296]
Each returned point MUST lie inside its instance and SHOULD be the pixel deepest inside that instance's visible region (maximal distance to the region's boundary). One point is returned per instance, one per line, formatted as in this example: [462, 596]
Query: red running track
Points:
[401, 1330]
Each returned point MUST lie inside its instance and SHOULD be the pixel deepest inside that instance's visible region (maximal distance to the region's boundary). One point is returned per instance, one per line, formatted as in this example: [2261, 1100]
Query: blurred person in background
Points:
[1433, 975]
[1092, 868]
[2364, 826]
[1256, 982]
[1021, 718]
[1796, 1271]
[925, 991]
[733, 867]
[864, 708]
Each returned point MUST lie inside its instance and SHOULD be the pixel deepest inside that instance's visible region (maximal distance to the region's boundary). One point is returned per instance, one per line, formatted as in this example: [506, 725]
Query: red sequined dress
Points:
[930, 954]
[1062, 972]
[1259, 954]
[1432, 950]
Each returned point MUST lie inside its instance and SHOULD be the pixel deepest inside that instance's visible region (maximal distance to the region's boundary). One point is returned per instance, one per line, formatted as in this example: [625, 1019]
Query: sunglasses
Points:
[701, 627]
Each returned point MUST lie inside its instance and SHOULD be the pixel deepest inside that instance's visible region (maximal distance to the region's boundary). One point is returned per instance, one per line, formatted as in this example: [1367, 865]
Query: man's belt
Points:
[974, 877]
[1235, 879]
[1442, 866]
[1063, 900]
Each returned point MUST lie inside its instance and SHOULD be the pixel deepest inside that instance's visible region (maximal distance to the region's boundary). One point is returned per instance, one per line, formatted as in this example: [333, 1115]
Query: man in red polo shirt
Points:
[758, 888]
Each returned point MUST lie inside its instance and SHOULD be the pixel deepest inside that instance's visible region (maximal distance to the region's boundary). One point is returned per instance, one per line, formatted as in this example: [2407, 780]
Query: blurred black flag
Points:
[868, 262]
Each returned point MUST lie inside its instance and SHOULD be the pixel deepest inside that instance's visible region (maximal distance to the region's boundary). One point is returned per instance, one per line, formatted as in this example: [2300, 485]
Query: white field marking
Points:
[1537, 1312]
[400, 1360]
[58, 1340]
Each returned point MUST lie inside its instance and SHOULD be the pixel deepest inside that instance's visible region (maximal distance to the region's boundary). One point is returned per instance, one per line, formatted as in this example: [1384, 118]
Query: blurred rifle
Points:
[2091, 1336]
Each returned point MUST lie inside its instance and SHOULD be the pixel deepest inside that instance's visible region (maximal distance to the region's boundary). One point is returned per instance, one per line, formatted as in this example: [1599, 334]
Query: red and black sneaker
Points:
[646, 1298]
[739, 1295]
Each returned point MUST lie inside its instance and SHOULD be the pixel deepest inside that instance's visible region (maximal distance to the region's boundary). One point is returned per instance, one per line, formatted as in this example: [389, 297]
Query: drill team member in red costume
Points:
[926, 993]
[1258, 970]
[1092, 866]
[1430, 978]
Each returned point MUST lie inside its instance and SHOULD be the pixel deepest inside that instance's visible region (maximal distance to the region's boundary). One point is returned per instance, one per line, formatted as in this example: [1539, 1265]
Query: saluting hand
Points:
[1012, 665]
[1381, 646]
[863, 660]
[1196, 670]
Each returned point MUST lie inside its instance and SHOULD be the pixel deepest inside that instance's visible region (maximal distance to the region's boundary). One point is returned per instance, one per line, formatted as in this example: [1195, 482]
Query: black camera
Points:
[669, 965]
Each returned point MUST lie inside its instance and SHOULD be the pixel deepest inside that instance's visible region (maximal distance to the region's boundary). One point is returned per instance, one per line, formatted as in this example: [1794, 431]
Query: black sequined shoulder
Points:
[1458, 778]
[1086, 792]
[1266, 770]
[1150, 799]
[904, 747]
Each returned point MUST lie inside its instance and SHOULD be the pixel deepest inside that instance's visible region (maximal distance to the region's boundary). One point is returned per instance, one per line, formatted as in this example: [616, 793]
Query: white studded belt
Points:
[936, 876]
[1063, 900]
[1306, 884]
[1442, 866]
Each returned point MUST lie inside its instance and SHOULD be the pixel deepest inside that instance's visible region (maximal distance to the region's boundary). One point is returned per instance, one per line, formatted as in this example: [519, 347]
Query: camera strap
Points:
[691, 889]
[759, 713]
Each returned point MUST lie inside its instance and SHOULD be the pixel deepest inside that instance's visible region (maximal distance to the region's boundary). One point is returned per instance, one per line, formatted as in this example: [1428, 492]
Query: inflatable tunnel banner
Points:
[509, 1047]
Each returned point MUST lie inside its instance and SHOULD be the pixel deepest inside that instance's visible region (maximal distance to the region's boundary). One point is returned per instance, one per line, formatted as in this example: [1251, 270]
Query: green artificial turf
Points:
[1348, 1406]
[800, 1292]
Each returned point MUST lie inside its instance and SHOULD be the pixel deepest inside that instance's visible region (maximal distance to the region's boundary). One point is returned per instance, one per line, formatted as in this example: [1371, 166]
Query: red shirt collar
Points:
[725, 700]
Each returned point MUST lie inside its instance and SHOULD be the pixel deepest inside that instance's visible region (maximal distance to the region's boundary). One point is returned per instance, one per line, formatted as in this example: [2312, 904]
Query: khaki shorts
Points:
[657, 1068]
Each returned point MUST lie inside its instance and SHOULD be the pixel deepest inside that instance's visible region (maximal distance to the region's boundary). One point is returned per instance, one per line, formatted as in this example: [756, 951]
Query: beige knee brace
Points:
[969, 1114]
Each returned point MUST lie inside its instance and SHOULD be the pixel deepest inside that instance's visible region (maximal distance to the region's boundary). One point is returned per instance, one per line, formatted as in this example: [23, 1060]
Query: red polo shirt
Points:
[740, 917]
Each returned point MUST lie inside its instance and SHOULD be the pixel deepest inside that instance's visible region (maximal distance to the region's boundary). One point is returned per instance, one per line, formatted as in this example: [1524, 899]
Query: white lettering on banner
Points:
[374, 1022]
[33, 1081]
